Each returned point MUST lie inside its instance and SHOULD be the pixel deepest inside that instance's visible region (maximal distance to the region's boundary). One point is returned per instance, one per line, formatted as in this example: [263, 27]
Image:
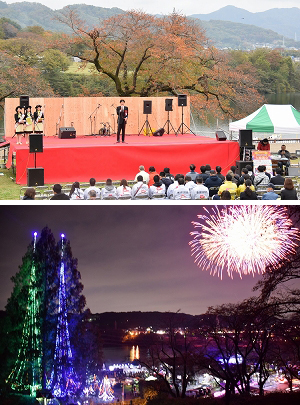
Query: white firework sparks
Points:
[243, 239]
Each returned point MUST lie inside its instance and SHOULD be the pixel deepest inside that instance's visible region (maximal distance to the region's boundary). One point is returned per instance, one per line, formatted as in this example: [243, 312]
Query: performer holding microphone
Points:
[38, 120]
[122, 113]
[19, 124]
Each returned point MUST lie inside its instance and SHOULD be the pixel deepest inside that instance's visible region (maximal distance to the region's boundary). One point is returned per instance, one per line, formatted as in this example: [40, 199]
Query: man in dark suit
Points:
[278, 180]
[122, 113]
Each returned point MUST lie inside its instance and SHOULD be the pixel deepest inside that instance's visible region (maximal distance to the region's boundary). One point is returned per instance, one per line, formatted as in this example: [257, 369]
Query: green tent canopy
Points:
[271, 118]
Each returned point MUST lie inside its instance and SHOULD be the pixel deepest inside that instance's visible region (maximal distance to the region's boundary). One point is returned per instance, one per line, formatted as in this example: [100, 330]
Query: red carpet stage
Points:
[69, 160]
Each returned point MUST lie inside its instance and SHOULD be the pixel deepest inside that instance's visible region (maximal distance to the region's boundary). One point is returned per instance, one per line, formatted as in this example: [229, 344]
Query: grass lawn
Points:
[9, 190]
[77, 68]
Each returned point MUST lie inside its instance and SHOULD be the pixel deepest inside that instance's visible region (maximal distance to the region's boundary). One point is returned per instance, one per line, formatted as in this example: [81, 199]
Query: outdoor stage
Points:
[69, 160]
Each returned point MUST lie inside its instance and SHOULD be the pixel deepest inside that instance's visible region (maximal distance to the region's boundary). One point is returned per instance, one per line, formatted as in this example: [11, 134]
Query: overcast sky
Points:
[131, 258]
[187, 7]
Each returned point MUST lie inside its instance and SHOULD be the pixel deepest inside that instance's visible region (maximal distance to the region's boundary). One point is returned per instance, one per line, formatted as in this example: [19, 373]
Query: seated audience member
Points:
[58, 195]
[123, 190]
[234, 180]
[92, 195]
[213, 181]
[278, 179]
[76, 193]
[263, 144]
[139, 189]
[284, 154]
[207, 169]
[189, 183]
[168, 174]
[229, 186]
[266, 173]
[109, 191]
[249, 191]
[219, 174]
[199, 192]
[250, 172]
[192, 173]
[29, 194]
[92, 187]
[242, 187]
[173, 186]
[225, 195]
[270, 195]
[203, 173]
[235, 175]
[260, 179]
[152, 173]
[158, 188]
[288, 192]
[142, 173]
[244, 172]
[165, 180]
[181, 192]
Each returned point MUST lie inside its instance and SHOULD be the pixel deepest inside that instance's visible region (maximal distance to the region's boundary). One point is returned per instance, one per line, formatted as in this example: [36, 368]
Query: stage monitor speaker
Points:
[245, 137]
[147, 107]
[35, 177]
[182, 100]
[241, 164]
[67, 133]
[168, 104]
[159, 132]
[220, 136]
[24, 101]
[36, 143]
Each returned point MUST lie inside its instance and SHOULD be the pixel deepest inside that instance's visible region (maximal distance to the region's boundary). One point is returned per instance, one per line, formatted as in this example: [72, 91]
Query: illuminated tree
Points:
[63, 378]
[47, 265]
[26, 374]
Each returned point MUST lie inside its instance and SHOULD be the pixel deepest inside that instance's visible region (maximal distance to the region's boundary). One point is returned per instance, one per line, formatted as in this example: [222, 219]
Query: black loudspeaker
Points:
[245, 137]
[35, 177]
[67, 133]
[159, 132]
[220, 136]
[182, 100]
[168, 104]
[147, 107]
[241, 164]
[35, 143]
[24, 101]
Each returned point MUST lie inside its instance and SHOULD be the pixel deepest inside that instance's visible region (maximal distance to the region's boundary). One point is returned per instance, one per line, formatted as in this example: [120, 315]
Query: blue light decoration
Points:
[27, 372]
[63, 381]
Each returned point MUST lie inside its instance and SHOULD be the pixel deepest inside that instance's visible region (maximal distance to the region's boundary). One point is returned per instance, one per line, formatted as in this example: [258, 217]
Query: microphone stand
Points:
[113, 115]
[92, 118]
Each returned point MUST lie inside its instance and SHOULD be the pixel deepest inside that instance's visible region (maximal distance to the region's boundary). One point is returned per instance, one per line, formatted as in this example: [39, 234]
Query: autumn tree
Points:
[145, 55]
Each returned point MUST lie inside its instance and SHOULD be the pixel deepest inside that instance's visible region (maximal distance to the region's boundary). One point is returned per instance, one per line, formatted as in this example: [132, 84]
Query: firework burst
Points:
[242, 239]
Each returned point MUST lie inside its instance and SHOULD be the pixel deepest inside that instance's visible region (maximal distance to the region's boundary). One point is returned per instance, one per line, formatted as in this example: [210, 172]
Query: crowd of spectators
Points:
[206, 184]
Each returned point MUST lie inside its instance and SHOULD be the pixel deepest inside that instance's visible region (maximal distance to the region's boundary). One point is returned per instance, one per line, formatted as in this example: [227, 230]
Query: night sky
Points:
[131, 258]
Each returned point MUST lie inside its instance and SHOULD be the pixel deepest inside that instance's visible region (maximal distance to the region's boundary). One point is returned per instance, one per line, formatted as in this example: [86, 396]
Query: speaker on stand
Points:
[168, 108]
[147, 109]
[35, 176]
[182, 102]
[24, 101]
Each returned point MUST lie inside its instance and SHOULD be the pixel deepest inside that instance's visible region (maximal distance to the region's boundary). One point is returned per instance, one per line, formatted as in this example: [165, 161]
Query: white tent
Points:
[271, 118]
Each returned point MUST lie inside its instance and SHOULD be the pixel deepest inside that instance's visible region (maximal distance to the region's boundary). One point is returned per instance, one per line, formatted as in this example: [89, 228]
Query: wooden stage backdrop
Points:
[82, 113]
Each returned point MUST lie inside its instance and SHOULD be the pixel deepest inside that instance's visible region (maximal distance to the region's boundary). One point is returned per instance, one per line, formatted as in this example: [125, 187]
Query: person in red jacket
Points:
[263, 145]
